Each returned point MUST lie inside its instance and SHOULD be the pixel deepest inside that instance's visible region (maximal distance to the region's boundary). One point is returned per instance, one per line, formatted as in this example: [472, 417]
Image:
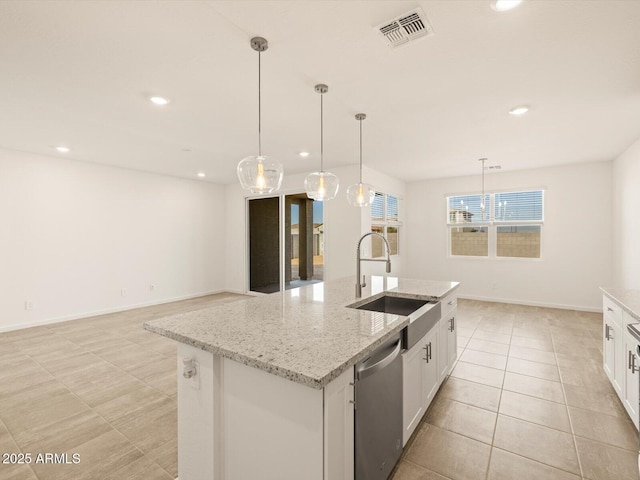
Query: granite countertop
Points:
[629, 300]
[307, 335]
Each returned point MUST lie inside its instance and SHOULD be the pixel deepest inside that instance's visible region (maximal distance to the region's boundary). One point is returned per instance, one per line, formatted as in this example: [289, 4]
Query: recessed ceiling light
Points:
[202, 174]
[519, 110]
[504, 5]
[304, 154]
[159, 100]
[62, 149]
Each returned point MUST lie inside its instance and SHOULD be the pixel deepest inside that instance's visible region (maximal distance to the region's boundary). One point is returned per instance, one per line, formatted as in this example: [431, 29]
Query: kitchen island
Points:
[265, 386]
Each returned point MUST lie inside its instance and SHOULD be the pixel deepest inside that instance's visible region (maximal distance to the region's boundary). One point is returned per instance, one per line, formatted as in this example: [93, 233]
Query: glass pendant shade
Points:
[360, 194]
[260, 174]
[321, 186]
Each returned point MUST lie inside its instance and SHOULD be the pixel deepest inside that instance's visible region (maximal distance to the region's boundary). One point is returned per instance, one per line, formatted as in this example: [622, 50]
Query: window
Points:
[510, 225]
[385, 220]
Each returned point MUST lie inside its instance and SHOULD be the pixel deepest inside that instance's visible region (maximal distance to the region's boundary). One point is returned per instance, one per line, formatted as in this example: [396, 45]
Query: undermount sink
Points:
[395, 305]
[423, 315]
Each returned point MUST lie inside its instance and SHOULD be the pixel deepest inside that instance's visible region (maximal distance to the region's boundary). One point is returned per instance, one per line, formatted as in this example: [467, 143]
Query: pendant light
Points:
[321, 185]
[360, 194]
[482, 199]
[259, 174]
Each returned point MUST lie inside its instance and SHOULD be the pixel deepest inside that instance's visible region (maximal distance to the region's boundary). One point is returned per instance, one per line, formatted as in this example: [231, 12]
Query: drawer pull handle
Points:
[632, 362]
[450, 302]
[609, 309]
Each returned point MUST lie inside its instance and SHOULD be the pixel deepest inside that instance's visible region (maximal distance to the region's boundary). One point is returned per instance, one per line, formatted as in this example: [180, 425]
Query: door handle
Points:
[452, 321]
[606, 332]
[428, 357]
[380, 364]
[634, 369]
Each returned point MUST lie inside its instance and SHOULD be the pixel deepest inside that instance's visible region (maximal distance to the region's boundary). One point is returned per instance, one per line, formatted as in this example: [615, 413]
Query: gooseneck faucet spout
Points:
[359, 260]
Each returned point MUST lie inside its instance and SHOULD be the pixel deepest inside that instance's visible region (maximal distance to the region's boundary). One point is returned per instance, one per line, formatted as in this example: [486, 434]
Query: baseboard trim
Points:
[531, 304]
[106, 311]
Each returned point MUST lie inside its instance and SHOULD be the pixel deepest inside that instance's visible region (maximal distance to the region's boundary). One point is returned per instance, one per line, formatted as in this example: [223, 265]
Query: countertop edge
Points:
[295, 376]
[313, 382]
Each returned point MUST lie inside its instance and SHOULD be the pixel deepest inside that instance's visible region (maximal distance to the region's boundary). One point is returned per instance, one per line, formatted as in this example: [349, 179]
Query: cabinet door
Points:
[339, 428]
[432, 375]
[452, 340]
[443, 348]
[631, 384]
[620, 359]
[609, 353]
[414, 388]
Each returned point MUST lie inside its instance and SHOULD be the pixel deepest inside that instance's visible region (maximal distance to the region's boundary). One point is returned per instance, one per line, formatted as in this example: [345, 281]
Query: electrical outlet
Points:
[194, 382]
[152, 287]
[28, 305]
[123, 292]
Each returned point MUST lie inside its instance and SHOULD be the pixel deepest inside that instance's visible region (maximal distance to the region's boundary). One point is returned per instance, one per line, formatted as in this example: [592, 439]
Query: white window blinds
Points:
[466, 209]
[519, 207]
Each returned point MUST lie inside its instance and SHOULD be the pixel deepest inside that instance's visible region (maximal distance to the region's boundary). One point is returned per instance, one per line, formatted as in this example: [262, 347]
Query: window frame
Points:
[492, 226]
[385, 223]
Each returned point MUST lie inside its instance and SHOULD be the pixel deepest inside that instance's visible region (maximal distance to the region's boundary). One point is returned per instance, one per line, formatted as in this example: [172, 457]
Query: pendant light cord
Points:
[360, 150]
[321, 133]
[259, 108]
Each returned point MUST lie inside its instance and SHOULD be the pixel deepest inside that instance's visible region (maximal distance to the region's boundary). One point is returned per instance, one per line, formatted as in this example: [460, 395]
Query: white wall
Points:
[74, 234]
[626, 223]
[343, 226]
[576, 238]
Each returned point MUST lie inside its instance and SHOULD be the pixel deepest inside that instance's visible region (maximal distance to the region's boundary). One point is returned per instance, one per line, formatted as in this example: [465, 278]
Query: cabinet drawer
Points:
[448, 303]
[611, 310]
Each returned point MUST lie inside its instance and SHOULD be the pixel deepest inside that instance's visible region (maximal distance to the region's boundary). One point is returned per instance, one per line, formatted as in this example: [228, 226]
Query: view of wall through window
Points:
[509, 226]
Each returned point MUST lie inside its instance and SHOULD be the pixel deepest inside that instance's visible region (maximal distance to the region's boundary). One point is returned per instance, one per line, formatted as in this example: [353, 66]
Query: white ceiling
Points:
[79, 74]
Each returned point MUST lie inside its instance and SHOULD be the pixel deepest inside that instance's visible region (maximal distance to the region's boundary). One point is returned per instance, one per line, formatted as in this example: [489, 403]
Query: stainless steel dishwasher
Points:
[378, 412]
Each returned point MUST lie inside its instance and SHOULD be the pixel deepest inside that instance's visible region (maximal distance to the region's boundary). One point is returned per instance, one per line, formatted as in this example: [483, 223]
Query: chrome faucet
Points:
[358, 260]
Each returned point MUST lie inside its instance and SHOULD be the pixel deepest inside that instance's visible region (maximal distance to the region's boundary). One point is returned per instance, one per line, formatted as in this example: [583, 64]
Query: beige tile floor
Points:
[101, 387]
[528, 399]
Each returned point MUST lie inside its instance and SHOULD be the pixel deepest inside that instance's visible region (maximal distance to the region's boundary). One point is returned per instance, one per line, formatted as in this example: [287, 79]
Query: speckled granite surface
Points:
[629, 300]
[307, 335]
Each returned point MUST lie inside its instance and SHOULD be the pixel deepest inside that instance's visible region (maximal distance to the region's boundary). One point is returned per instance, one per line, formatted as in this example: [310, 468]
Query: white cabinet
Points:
[630, 397]
[452, 339]
[620, 357]
[237, 422]
[448, 337]
[426, 365]
[613, 353]
[339, 428]
[420, 381]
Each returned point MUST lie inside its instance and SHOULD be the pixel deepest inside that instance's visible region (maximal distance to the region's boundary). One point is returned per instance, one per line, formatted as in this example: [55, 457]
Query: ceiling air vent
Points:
[405, 28]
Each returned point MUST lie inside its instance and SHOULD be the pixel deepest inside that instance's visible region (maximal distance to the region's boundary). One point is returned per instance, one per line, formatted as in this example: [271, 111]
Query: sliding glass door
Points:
[286, 242]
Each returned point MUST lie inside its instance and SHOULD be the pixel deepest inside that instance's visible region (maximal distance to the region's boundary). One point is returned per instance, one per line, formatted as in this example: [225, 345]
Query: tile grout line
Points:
[495, 425]
[566, 404]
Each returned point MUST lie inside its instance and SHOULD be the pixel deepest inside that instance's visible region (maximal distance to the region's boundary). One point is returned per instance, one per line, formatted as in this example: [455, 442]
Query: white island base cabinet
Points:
[236, 422]
[426, 365]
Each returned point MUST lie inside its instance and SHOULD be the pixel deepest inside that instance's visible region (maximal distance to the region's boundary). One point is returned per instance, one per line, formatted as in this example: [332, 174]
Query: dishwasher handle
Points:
[365, 370]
